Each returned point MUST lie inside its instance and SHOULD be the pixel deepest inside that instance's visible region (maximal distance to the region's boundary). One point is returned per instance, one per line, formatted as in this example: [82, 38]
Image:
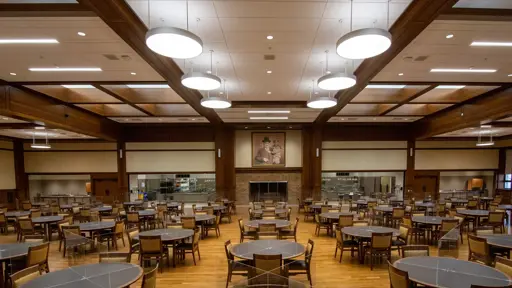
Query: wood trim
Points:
[46, 151]
[123, 100]
[411, 162]
[455, 170]
[344, 132]
[408, 100]
[63, 173]
[6, 149]
[172, 172]
[122, 177]
[416, 17]
[168, 150]
[44, 10]
[119, 16]
[477, 14]
[19, 167]
[373, 170]
[269, 104]
[460, 148]
[362, 149]
[423, 83]
[225, 179]
[18, 125]
[269, 170]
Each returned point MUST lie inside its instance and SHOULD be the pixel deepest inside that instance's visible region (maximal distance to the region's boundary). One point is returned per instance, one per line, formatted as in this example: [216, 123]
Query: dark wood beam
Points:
[418, 15]
[120, 17]
[407, 100]
[23, 103]
[18, 125]
[111, 93]
[44, 10]
[423, 83]
[476, 14]
[500, 124]
[470, 113]
[19, 171]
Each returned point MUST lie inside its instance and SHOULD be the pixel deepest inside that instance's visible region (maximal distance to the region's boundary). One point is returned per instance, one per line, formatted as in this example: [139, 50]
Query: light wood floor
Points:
[212, 268]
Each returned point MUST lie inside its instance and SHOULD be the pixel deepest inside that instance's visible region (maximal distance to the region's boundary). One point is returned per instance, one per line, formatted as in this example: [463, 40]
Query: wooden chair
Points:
[25, 227]
[151, 247]
[398, 278]
[235, 267]
[321, 225]
[402, 239]
[290, 232]
[345, 244]
[479, 250]
[149, 278]
[72, 238]
[134, 246]
[190, 248]
[189, 222]
[113, 236]
[380, 245]
[85, 215]
[496, 220]
[38, 256]
[308, 212]
[159, 219]
[325, 208]
[22, 277]
[446, 226]
[108, 218]
[267, 271]
[301, 205]
[415, 250]
[208, 209]
[26, 206]
[245, 234]
[472, 204]
[396, 216]
[226, 213]
[504, 265]
[4, 228]
[213, 226]
[267, 232]
[133, 220]
[115, 257]
[299, 267]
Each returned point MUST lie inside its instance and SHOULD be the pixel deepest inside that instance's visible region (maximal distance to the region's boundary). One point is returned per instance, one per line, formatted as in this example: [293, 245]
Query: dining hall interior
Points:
[255, 143]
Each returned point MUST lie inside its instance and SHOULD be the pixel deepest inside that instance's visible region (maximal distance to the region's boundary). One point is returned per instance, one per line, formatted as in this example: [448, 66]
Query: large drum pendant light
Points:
[201, 80]
[173, 42]
[335, 81]
[363, 43]
[320, 102]
[217, 102]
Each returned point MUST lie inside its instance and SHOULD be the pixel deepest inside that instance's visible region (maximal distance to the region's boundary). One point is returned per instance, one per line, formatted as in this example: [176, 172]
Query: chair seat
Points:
[250, 233]
[350, 243]
[397, 243]
[286, 232]
[292, 264]
[241, 265]
[187, 246]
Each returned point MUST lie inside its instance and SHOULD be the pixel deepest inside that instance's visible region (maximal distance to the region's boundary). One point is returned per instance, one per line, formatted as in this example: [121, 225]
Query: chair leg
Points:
[194, 256]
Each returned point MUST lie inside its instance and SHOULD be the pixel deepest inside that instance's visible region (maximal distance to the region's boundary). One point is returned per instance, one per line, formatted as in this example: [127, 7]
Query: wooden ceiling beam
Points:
[420, 83]
[470, 113]
[22, 103]
[119, 16]
[476, 14]
[408, 100]
[418, 15]
[122, 99]
[18, 125]
[44, 10]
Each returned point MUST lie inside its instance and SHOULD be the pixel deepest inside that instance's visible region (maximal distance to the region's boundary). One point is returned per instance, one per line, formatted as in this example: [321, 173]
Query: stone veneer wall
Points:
[243, 179]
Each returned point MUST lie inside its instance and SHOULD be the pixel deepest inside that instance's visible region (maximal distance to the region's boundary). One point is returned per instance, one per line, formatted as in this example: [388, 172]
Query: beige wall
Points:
[446, 144]
[363, 144]
[368, 160]
[243, 146]
[71, 162]
[77, 146]
[168, 160]
[456, 159]
[6, 145]
[7, 172]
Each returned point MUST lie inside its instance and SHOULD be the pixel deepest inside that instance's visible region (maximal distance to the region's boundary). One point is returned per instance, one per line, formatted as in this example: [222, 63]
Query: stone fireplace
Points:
[292, 179]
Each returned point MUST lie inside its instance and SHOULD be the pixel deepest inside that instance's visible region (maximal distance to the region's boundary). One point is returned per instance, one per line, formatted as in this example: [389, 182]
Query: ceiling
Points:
[485, 133]
[30, 133]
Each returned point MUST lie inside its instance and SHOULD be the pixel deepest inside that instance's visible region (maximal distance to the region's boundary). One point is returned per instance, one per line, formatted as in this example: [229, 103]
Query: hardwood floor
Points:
[211, 270]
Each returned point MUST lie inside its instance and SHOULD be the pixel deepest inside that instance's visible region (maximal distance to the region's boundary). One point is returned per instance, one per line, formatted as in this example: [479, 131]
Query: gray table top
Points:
[95, 226]
[133, 203]
[288, 249]
[199, 218]
[384, 209]
[39, 204]
[171, 234]
[450, 272]
[365, 201]
[366, 231]
[11, 250]
[17, 213]
[147, 213]
[91, 275]
[277, 211]
[67, 206]
[458, 200]
[320, 206]
[431, 220]
[427, 205]
[335, 215]
[487, 198]
[46, 219]
[505, 206]
[173, 205]
[102, 209]
[215, 207]
[499, 240]
[279, 223]
[474, 213]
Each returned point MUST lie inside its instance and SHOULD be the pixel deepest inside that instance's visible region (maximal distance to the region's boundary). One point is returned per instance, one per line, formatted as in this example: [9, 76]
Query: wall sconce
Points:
[218, 153]
[88, 187]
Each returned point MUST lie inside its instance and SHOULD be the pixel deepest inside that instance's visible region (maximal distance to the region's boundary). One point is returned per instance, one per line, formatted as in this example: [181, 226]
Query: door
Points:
[425, 186]
[106, 190]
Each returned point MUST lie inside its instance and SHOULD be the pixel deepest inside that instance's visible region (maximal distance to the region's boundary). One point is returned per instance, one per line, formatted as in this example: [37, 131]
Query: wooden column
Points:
[312, 162]
[409, 173]
[225, 162]
[122, 176]
[19, 168]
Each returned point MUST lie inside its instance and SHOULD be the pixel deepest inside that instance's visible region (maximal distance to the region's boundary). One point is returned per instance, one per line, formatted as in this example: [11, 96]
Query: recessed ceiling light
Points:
[5, 118]
[209, 72]
[13, 74]
[221, 93]
[269, 71]
[78, 86]
[485, 126]
[147, 86]
[400, 74]
[28, 41]
[269, 111]
[342, 119]
[268, 127]
[68, 69]
[374, 118]
[39, 128]
[159, 119]
[193, 119]
[385, 86]
[270, 37]
[450, 86]
[290, 127]
[81, 34]
[459, 70]
[449, 36]
[246, 127]
[268, 118]
[406, 119]
[509, 75]
[133, 73]
[491, 44]
[269, 92]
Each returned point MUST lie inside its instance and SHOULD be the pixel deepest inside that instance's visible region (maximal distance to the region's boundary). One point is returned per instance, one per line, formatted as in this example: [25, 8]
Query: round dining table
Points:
[16, 214]
[334, 215]
[363, 233]
[199, 218]
[477, 214]
[102, 209]
[169, 237]
[216, 208]
[146, 213]
[451, 272]
[96, 226]
[46, 221]
[498, 240]
[277, 211]
[12, 250]
[287, 249]
[89, 276]
[279, 223]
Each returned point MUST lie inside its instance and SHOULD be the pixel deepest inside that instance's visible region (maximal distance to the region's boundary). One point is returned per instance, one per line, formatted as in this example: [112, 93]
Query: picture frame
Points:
[268, 149]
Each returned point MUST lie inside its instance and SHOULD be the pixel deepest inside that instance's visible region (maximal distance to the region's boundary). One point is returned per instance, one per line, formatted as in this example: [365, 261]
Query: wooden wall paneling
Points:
[409, 173]
[122, 176]
[425, 183]
[306, 163]
[225, 162]
[365, 132]
[44, 10]
[19, 168]
[418, 15]
[312, 162]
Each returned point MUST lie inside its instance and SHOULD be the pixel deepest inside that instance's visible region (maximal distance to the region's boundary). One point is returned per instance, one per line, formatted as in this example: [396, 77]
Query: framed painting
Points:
[268, 149]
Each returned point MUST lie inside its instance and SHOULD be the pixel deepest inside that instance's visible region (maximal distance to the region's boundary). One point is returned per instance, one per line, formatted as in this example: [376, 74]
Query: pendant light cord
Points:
[326, 61]
[211, 61]
[351, 15]
[149, 14]
[187, 14]
[387, 23]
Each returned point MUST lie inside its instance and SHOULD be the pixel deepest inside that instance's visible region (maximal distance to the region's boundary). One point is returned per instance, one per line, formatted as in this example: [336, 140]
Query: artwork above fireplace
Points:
[260, 191]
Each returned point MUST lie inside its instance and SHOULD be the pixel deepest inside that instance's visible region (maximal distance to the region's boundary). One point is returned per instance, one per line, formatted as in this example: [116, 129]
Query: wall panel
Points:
[170, 161]
[462, 159]
[71, 162]
[7, 174]
[364, 160]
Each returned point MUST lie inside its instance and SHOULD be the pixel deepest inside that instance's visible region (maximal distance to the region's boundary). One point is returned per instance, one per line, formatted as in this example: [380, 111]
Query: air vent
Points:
[110, 56]
[420, 58]
[269, 57]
